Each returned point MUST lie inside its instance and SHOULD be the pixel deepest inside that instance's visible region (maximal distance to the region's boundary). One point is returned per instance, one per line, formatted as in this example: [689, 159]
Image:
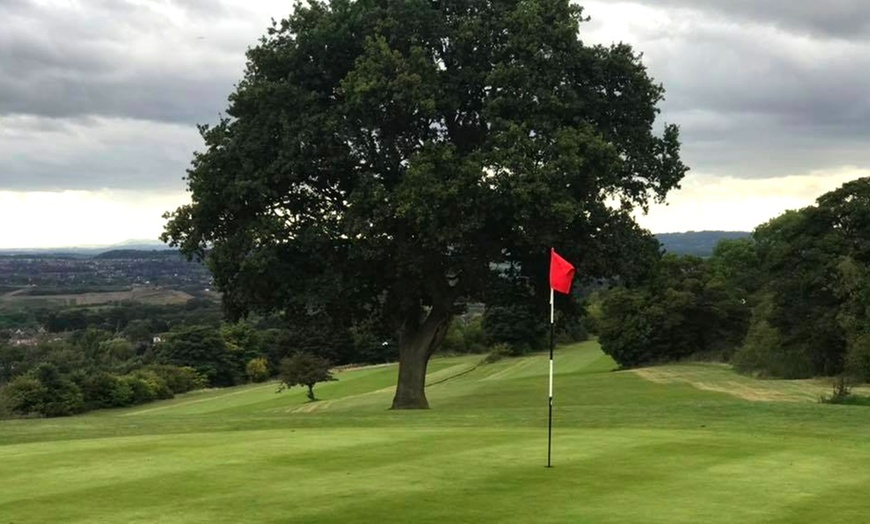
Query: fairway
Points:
[645, 446]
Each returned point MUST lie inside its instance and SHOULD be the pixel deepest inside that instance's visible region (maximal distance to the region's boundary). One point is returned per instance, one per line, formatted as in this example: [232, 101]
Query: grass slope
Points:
[627, 448]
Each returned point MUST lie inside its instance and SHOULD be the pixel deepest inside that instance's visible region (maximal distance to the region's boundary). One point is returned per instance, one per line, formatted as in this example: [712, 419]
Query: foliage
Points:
[243, 341]
[43, 391]
[842, 393]
[155, 384]
[179, 379]
[257, 370]
[380, 158]
[203, 349]
[329, 336]
[371, 345]
[736, 263]
[513, 316]
[142, 390]
[114, 351]
[858, 357]
[813, 277]
[518, 327]
[498, 352]
[841, 390]
[465, 335]
[104, 390]
[23, 395]
[304, 369]
[14, 361]
[685, 309]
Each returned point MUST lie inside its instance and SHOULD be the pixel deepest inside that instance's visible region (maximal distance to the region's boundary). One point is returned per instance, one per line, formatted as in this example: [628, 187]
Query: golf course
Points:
[680, 443]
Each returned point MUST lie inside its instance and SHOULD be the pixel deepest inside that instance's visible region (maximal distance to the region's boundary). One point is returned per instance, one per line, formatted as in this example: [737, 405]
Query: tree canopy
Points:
[380, 159]
[791, 301]
[814, 298]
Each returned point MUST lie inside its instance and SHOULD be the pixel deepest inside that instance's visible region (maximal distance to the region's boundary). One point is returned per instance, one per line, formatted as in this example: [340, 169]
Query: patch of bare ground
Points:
[721, 378]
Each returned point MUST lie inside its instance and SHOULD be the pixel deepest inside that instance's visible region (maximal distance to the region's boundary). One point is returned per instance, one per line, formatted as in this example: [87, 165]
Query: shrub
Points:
[158, 385]
[103, 390]
[465, 335]
[841, 390]
[498, 352]
[257, 369]
[62, 397]
[142, 391]
[23, 395]
[841, 393]
[123, 394]
[179, 379]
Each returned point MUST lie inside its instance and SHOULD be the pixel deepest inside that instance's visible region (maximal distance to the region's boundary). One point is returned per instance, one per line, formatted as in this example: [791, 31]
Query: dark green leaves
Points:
[383, 155]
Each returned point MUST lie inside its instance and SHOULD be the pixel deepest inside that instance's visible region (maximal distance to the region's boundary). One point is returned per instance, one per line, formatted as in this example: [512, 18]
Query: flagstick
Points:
[550, 417]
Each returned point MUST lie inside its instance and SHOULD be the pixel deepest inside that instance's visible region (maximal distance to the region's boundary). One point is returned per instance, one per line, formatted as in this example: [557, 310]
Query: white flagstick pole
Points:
[550, 416]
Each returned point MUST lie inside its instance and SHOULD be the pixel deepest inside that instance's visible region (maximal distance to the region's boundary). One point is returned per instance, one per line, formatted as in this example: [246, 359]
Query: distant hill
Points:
[141, 245]
[139, 254]
[88, 251]
[698, 243]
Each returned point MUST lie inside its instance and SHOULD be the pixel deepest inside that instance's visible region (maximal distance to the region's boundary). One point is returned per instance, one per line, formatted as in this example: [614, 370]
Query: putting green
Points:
[674, 444]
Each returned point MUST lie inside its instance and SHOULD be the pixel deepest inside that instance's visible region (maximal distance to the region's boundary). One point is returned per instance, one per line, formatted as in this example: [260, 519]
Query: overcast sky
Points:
[99, 100]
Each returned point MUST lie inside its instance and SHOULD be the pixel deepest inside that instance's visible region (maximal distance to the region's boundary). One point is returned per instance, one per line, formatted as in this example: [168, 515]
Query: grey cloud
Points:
[849, 19]
[753, 95]
[106, 93]
[754, 100]
[182, 100]
[87, 154]
[733, 74]
[119, 59]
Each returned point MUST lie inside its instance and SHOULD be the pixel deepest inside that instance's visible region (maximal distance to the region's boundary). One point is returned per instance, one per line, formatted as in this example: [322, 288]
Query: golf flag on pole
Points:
[561, 273]
[561, 276]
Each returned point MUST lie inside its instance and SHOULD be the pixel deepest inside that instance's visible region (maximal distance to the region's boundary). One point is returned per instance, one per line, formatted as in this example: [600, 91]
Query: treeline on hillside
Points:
[72, 360]
[790, 301]
[96, 368]
[67, 361]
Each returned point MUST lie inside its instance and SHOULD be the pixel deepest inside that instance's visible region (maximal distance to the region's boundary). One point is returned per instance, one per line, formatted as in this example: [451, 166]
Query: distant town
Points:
[42, 274]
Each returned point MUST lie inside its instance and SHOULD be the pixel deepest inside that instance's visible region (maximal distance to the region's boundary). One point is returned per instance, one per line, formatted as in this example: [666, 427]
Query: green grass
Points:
[628, 447]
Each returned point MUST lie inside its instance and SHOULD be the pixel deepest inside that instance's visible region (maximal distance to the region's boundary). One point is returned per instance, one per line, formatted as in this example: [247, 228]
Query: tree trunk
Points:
[416, 345]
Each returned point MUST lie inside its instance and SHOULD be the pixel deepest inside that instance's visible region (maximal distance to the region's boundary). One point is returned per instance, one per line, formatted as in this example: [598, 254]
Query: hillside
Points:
[698, 243]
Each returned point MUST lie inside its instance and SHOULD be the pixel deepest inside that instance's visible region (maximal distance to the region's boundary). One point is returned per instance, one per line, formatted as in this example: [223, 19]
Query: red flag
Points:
[561, 273]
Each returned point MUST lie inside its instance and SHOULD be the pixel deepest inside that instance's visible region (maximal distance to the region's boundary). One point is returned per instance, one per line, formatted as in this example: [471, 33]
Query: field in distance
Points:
[685, 443]
[141, 294]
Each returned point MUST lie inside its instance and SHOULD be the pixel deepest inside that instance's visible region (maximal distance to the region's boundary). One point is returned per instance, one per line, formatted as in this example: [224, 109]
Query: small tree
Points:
[304, 369]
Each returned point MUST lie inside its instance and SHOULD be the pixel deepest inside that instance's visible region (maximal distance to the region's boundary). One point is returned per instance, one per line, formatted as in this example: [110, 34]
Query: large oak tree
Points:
[379, 158]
